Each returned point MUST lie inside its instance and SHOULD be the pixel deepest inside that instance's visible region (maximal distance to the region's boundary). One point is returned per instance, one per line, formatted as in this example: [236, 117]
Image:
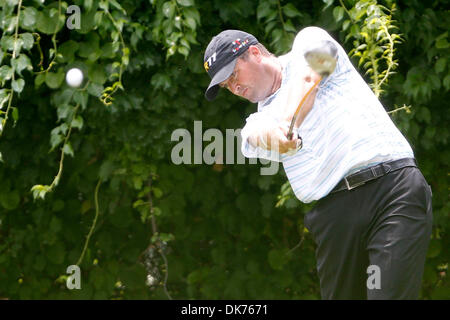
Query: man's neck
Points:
[278, 74]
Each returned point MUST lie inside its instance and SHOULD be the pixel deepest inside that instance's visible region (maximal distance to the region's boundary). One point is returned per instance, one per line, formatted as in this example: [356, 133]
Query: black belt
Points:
[361, 177]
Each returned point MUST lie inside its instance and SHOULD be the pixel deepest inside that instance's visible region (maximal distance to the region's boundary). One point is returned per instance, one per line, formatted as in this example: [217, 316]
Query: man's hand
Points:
[275, 138]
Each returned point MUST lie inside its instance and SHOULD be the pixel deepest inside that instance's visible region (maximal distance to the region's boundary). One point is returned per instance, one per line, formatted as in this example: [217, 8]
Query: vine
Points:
[54, 51]
[91, 230]
[15, 85]
[106, 96]
[39, 191]
[175, 25]
[158, 241]
[374, 39]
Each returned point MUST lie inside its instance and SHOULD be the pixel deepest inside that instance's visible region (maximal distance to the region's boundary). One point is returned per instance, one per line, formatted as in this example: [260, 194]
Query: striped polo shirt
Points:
[346, 130]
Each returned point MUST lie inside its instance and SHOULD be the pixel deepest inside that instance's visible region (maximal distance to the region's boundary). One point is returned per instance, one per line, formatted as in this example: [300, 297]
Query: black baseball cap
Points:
[221, 55]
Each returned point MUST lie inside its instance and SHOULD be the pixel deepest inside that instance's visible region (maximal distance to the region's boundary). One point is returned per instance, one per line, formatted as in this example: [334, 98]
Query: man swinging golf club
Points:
[338, 146]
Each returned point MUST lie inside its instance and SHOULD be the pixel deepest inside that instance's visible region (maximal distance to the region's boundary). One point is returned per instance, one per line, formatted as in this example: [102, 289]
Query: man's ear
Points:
[254, 51]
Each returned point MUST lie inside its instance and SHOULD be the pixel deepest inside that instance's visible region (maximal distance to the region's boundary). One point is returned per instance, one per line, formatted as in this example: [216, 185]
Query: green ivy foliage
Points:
[86, 176]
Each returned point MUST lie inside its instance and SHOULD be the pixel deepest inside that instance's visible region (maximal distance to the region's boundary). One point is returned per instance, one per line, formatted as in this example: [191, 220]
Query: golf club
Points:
[321, 58]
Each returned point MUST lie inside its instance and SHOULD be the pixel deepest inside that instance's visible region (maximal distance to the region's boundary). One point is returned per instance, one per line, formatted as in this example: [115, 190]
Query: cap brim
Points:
[222, 75]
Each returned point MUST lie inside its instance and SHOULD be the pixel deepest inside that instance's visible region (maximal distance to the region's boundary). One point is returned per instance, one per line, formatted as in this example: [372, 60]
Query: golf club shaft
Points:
[294, 118]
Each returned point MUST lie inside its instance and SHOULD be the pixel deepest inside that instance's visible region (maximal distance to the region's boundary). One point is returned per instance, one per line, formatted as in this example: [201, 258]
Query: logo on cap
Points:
[237, 44]
[210, 61]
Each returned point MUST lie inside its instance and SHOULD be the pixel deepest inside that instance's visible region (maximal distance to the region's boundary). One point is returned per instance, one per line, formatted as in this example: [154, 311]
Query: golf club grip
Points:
[297, 111]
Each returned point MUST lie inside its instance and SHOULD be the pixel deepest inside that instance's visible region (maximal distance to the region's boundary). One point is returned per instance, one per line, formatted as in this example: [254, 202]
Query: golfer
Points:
[373, 209]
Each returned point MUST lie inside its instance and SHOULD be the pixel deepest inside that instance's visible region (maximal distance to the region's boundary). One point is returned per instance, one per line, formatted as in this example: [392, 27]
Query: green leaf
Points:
[157, 211]
[89, 20]
[55, 140]
[157, 192]
[184, 51]
[117, 5]
[445, 82]
[291, 11]
[106, 170]
[96, 73]
[6, 73]
[168, 9]
[9, 24]
[12, 3]
[186, 3]
[441, 41]
[15, 114]
[190, 23]
[104, 5]
[137, 182]
[10, 200]
[67, 149]
[276, 35]
[4, 96]
[435, 81]
[165, 237]
[7, 42]
[440, 64]
[60, 129]
[17, 85]
[424, 114]
[95, 89]
[28, 40]
[90, 49]
[139, 203]
[277, 259]
[47, 23]
[263, 10]
[81, 97]
[40, 79]
[289, 27]
[346, 24]
[39, 191]
[434, 248]
[28, 18]
[20, 63]
[192, 13]
[54, 79]
[68, 50]
[338, 13]
[195, 276]
[63, 97]
[328, 3]
[88, 4]
[77, 122]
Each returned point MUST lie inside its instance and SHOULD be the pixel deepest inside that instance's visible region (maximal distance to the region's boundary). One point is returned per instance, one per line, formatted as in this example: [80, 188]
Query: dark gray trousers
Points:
[384, 223]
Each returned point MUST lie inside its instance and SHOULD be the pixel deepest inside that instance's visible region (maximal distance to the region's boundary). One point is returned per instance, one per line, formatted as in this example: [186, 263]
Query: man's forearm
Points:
[256, 140]
[296, 93]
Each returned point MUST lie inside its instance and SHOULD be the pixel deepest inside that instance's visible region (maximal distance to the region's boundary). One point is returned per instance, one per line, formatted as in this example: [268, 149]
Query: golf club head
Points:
[322, 57]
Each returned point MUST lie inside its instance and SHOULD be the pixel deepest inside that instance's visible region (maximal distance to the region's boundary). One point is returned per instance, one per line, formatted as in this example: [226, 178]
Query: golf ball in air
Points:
[74, 77]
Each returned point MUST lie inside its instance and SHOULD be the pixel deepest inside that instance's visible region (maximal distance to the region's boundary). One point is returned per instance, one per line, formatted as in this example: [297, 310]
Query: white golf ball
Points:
[74, 77]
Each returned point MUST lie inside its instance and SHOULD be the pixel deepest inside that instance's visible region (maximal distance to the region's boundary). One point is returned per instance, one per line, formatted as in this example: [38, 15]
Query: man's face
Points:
[249, 78]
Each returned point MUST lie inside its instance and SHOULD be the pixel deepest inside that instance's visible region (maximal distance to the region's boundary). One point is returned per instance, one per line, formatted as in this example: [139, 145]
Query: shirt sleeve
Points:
[309, 36]
[253, 123]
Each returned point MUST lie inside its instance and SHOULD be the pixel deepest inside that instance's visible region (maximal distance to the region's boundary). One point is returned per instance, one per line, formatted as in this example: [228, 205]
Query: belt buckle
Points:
[349, 187]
